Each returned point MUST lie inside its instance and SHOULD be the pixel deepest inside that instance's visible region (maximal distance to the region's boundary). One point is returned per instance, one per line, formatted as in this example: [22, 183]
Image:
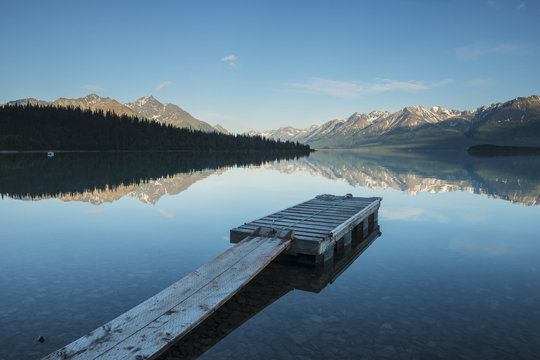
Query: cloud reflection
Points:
[166, 213]
[412, 214]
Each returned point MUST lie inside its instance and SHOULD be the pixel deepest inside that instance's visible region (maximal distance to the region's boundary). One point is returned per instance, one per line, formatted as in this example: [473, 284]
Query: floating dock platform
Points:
[312, 230]
[320, 225]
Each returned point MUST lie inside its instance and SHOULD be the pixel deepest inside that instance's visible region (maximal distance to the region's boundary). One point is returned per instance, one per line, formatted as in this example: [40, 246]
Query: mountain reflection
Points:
[104, 177]
[513, 178]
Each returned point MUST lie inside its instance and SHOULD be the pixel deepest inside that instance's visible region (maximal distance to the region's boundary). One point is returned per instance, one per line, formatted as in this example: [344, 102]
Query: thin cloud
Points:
[93, 88]
[163, 85]
[520, 6]
[229, 58]
[474, 51]
[352, 89]
[402, 214]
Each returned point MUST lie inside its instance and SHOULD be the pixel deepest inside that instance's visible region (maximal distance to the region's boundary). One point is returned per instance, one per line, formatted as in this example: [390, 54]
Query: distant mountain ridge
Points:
[145, 107]
[169, 114]
[515, 122]
[92, 102]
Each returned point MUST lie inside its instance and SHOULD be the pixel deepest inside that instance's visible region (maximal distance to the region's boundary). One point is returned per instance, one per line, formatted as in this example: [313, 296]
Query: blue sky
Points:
[265, 64]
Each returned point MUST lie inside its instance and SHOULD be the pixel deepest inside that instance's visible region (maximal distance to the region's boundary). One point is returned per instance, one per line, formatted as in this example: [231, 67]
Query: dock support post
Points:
[357, 232]
[326, 256]
[365, 228]
[372, 221]
[347, 243]
[347, 239]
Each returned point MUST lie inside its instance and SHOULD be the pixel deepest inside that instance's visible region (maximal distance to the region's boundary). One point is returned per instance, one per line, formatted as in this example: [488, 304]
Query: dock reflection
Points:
[275, 281]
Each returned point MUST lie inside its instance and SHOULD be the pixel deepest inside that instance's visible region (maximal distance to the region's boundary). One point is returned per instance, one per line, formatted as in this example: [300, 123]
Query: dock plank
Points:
[103, 339]
[279, 225]
[298, 234]
[304, 213]
[324, 210]
[348, 202]
[316, 220]
[329, 206]
[194, 310]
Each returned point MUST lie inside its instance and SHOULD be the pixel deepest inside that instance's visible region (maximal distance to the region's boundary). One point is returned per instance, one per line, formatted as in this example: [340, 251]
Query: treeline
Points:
[29, 175]
[35, 127]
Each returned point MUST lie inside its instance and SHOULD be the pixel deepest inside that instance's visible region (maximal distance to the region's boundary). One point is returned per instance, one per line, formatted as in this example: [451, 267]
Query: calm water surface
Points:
[455, 273]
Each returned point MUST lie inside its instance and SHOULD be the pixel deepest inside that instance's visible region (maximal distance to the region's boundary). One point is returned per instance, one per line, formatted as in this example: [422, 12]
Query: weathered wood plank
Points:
[310, 210]
[342, 206]
[103, 338]
[303, 213]
[299, 234]
[330, 215]
[311, 235]
[172, 325]
[303, 230]
[351, 200]
[302, 218]
[328, 206]
[327, 210]
[356, 219]
[296, 224]
[349, 203]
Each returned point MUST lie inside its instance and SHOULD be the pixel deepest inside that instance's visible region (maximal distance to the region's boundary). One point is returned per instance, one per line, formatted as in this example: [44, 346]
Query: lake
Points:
[455, 272]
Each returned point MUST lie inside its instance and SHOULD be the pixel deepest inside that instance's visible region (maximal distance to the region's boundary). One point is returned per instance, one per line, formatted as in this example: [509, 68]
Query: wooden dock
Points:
[314, 229]
[320, 225]
[277, 280]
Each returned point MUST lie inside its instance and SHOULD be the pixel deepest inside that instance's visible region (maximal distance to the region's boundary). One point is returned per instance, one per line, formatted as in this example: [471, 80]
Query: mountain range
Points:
[146, 107]
[515, 122]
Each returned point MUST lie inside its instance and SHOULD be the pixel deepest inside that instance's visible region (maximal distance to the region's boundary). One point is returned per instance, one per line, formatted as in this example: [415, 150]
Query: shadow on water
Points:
[36, 176]
[275, 281]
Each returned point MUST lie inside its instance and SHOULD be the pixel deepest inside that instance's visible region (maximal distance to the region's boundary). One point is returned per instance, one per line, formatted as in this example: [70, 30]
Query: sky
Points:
[257, 65]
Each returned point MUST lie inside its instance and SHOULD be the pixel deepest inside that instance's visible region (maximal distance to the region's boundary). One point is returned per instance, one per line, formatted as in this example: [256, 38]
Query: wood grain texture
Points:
[168, 315]
[312, 219]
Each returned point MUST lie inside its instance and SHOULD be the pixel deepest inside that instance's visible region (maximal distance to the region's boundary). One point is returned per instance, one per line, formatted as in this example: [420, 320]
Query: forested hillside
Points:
[34, 127]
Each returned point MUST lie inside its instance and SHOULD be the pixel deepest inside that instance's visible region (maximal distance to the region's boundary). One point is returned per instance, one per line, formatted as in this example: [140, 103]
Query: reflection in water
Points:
[510, 178]
[275, 281]
[450, 280]
[104, 177]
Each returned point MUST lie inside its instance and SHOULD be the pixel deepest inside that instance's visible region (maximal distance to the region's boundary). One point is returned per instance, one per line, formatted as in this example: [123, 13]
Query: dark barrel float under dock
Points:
[311, 232]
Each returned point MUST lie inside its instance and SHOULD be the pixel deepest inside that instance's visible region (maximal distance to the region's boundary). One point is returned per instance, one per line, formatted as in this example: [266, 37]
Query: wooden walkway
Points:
[313, 228]
[149, 328]
[275, 281]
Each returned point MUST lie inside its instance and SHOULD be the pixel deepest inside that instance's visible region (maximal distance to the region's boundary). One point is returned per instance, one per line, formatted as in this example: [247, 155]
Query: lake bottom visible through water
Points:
[454, 273]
